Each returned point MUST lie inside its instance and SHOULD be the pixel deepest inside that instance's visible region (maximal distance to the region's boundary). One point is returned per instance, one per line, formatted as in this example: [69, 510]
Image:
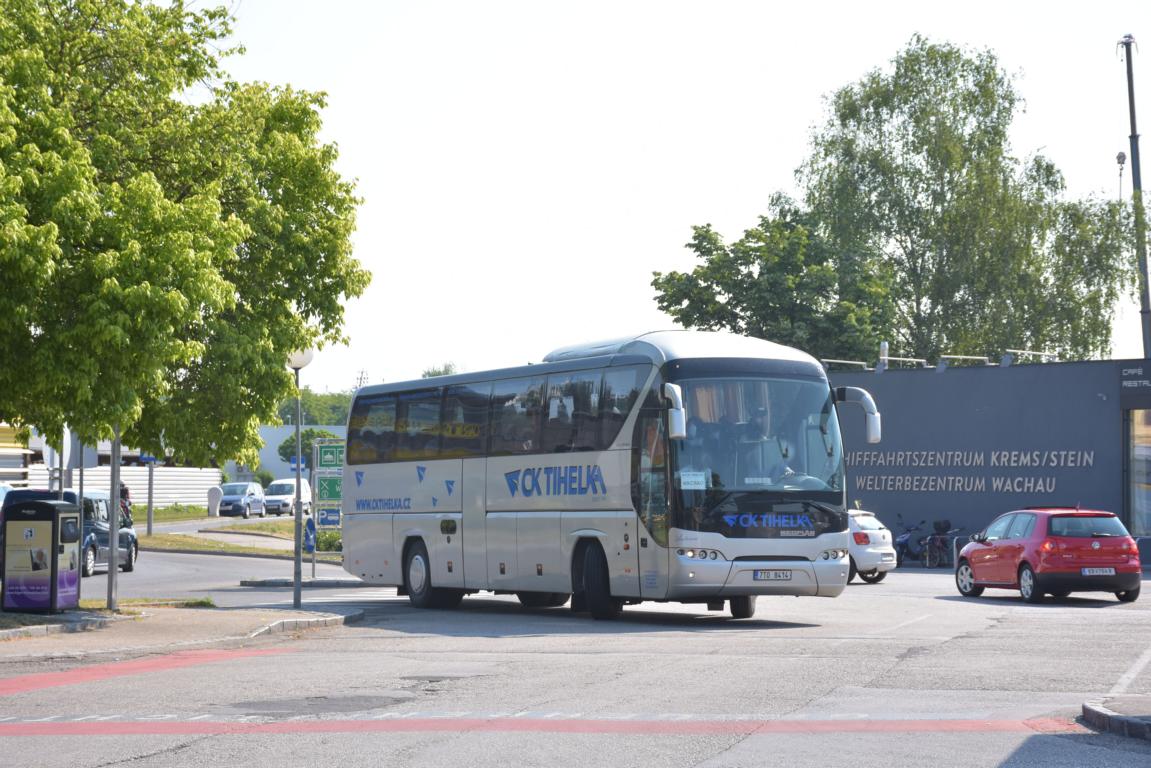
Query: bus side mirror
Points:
[676, 415]
[862, 398]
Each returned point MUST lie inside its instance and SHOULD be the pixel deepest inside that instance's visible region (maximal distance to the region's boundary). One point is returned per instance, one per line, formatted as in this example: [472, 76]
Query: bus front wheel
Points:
[418, 581]
[743, 607]
[597, 586]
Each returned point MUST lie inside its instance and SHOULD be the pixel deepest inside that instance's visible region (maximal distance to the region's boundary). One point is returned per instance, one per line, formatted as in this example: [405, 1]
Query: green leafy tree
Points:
[782, 282]
[317, 407]
[161, 257]
[982, 249]
[447, 369]
[308, 436]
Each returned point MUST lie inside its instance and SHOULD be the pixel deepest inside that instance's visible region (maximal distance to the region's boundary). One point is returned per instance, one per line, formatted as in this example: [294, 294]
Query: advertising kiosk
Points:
[41, 557]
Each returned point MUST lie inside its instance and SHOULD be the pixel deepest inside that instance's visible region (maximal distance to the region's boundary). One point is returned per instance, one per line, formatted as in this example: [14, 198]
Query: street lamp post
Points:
[296, 361]
[1137, 200]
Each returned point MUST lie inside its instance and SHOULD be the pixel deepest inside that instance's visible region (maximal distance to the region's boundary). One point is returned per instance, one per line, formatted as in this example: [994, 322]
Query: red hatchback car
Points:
[1051, 550]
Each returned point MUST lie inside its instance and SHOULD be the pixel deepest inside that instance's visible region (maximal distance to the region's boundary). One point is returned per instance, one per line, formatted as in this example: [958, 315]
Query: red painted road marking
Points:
[539, 725]
[96, 672]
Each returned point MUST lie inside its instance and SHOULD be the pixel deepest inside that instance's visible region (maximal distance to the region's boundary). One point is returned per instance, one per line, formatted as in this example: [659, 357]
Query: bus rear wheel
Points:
[418, 581]
[597, 585]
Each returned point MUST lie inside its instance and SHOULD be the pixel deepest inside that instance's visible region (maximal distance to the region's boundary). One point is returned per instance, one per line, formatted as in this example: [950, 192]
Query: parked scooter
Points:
[907, 544]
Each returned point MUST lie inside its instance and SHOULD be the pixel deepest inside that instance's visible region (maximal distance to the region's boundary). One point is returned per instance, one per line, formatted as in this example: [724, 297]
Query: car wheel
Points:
[1129, 596]
[597, 586]
[851, 571]
[130, 562]
[742, 607]
[873, 577]
[263, 511]
[965, 580]
[246, 513]
[89, 561]
[1028, 586]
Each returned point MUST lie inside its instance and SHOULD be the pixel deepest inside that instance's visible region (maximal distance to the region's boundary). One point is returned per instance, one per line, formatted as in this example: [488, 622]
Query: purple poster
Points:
[27, 569]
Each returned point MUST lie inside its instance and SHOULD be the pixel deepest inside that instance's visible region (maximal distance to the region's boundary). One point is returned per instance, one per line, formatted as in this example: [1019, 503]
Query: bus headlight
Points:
[700, 554]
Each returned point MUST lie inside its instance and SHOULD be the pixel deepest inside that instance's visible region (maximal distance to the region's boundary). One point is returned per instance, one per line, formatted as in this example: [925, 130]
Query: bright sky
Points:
[526, 166]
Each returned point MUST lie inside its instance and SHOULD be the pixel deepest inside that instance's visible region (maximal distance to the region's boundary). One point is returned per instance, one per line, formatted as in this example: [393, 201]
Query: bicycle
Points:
[937, 553]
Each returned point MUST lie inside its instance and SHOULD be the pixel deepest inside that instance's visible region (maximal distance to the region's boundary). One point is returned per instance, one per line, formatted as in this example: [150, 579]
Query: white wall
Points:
[170, 485]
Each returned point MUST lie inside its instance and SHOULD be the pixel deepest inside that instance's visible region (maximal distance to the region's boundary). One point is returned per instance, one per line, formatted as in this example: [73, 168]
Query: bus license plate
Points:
[772, 576]
[1098, 571]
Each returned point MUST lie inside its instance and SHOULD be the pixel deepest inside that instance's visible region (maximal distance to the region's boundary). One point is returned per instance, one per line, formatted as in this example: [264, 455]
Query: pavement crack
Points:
[172, 750]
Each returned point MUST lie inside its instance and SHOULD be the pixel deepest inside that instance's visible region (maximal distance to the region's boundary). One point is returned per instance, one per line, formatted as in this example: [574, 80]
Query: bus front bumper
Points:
[720, 579]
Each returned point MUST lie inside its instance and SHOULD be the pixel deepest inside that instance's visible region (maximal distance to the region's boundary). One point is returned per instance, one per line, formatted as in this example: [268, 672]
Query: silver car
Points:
[243, 499]
[872, 552]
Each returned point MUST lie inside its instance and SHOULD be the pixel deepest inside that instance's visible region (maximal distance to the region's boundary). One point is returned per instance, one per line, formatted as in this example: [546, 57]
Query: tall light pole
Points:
[297, 360]
[1137, 196]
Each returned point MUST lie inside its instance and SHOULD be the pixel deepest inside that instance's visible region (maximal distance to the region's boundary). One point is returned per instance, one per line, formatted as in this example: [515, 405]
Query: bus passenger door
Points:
[649, 492]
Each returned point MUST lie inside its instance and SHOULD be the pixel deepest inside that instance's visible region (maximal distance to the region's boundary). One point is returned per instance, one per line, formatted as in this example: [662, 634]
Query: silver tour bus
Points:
[684, 466]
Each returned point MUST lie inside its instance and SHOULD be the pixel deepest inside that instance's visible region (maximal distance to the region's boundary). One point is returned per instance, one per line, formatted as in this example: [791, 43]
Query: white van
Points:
[281, 495]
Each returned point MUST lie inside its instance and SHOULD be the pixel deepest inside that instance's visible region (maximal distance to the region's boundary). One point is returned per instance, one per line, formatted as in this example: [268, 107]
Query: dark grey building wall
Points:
[968, 443]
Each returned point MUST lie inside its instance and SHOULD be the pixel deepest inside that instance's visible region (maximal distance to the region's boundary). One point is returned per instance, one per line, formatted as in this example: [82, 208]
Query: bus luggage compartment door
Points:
[448, 551]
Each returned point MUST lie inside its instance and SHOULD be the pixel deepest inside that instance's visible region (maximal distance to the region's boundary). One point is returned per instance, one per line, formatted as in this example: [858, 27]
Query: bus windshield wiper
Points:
[822, 507]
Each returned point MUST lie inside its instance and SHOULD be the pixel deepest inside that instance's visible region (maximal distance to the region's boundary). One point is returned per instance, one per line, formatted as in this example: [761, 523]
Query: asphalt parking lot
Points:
[905, 672]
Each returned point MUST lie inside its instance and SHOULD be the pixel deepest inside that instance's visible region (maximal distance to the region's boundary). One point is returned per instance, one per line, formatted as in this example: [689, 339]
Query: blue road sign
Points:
[310, 535]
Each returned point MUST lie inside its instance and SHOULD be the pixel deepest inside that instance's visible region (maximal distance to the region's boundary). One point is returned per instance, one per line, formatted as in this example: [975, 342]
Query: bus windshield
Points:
[761, 444]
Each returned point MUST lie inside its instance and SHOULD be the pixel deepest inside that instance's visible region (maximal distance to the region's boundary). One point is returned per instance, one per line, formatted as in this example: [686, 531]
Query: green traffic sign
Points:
[331, 456]
[329, 488]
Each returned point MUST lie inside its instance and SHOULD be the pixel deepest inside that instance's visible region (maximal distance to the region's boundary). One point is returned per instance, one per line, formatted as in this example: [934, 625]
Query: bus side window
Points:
[571, 422]
[372, 429]
[620, 391]
[465, 417]
[418, 425]
[649, 467]
[516, 408]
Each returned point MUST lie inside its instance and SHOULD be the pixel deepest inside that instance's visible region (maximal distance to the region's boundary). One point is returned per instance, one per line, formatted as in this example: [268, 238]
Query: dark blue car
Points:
[97, 527]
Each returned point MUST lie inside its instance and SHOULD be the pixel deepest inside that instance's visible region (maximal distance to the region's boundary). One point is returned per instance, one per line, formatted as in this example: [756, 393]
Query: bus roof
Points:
[664, 346]
[656, 347]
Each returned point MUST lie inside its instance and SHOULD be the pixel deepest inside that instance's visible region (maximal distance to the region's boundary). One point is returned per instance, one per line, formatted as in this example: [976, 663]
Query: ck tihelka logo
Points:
[359, 479]
[769, 521]
[571, 480]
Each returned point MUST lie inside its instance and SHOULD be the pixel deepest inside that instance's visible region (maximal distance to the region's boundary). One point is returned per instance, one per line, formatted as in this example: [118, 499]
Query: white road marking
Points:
[1132, 672]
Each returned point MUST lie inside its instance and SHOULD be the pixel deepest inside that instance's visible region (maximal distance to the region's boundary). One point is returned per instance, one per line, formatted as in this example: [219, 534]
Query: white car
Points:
[872, 552]
[280, 496]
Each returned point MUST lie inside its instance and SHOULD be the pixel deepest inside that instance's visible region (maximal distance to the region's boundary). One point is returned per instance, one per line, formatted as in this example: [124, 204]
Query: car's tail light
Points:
[861, 538]
[1049, 545]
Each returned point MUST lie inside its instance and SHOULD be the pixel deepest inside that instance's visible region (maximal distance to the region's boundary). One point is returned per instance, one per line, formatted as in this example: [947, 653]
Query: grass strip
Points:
[169, 541]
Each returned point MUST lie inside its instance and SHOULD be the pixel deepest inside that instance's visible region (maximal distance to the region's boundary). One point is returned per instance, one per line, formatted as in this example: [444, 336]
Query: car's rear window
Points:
[1086, 526]
[868, 522]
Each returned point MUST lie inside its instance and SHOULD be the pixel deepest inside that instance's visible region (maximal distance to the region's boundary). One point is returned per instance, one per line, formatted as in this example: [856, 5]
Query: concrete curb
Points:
[1097, 715]
[320, 583]
[327, 620]
[231, 532]
[43, 630]
[101, 622]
